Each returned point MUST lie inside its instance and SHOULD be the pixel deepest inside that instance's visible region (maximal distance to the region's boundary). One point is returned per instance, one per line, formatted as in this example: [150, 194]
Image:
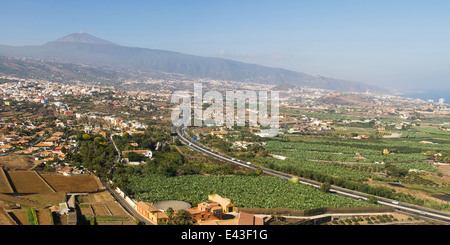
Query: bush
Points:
[372, 199]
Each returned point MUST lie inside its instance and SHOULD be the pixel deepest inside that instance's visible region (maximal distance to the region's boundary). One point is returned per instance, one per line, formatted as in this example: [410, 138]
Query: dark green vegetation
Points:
[338, 159]
[32, 216]
[244, 191]
[94, 153]
[191, 177]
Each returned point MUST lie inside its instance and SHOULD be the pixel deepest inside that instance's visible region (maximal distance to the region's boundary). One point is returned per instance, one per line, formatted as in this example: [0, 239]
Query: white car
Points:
[394, 202]
[249, 163]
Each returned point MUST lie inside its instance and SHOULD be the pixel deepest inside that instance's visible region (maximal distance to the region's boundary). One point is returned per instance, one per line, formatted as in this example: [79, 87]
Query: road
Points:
[399, 206]
[131, 210]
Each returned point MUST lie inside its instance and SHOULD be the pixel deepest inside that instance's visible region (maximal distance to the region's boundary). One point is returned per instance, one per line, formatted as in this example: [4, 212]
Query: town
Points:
[77, 153]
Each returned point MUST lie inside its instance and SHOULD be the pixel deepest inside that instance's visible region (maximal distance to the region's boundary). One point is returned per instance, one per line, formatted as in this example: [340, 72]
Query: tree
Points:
[170, 213]
[183, 217]
[86, 137]
[178, 142]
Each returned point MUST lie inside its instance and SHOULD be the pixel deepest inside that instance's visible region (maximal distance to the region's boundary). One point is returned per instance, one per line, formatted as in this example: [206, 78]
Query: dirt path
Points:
[12, 199]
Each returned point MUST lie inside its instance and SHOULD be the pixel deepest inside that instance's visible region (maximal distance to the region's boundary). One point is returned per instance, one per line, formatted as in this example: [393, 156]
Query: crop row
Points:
[244, 191]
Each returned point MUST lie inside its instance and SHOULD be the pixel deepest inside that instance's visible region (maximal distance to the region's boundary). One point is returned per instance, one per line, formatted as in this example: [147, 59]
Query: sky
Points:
[398, 44]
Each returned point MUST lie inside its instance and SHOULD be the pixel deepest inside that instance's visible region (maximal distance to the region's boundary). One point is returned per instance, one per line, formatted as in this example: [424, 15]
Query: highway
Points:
[399, 206]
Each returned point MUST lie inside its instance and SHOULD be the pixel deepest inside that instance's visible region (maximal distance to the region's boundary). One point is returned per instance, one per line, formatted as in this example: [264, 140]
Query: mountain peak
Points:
[83, 37]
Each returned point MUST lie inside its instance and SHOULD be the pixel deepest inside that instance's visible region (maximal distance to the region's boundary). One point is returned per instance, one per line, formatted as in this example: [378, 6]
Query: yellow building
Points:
[151, 212]
[226, 204]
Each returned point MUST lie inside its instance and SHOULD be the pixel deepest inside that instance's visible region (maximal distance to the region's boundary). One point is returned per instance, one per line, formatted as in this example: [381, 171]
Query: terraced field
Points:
[81, 183]
[28, 182]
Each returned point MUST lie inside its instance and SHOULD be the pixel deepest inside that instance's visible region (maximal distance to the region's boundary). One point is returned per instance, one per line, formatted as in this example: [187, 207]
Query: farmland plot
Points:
[28, 182]
[100, 209]
[81, 183]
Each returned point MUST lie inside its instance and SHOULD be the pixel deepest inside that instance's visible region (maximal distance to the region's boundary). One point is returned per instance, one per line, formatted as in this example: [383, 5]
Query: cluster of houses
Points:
[211, 212]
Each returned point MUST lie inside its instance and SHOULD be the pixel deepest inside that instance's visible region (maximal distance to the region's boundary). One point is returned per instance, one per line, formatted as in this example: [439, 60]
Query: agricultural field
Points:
[80, 183]
[28, 182]
[45, 199]
[86, 210]
[17, 162]
[102, 207]
[5, 186]
[352, 150]
[386, 219]
[20, 216]
[244, 191]
[44, 217]
[32, 216]
[367, 164]
[333, 156]
[116, 209]
[5, 219]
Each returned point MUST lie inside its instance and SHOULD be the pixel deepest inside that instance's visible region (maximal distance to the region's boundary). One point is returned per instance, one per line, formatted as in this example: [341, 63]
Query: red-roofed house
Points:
[206, 211]
[249, 219]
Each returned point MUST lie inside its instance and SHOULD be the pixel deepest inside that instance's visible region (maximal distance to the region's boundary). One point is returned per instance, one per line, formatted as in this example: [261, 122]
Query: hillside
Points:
[82, 48]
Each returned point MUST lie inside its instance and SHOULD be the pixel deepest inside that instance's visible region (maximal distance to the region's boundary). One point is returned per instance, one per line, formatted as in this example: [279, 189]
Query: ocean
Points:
[434, 95]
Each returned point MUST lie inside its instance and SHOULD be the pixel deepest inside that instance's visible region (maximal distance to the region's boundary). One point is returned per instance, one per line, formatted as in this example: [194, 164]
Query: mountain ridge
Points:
[84, 48]
[83, 37]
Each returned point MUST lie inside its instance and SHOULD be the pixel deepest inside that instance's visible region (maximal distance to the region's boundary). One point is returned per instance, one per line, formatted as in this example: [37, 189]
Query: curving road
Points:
[399, 206]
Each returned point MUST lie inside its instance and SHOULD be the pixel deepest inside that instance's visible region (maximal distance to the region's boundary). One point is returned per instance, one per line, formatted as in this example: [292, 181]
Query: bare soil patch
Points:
[86, 210]
[100, 210]
[20, 216]
[14, 162]
[5, 219]
[46, 199]
[116, 209]
[28, 182]
[5, 187]
[75, 183]
[44, 217]
[24, 203]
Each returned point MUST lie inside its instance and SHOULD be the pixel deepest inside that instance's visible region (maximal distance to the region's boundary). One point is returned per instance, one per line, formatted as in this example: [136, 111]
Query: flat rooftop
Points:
[174, 204]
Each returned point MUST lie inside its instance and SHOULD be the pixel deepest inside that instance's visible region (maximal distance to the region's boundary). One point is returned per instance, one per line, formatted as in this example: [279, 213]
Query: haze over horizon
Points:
[401, 44]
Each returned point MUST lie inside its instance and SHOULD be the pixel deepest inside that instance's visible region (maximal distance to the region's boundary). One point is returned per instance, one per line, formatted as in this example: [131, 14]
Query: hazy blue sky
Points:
[403, 44]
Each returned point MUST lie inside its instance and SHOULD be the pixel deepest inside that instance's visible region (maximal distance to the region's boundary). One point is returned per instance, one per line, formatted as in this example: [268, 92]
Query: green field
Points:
[244, 191]
[338, 157]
